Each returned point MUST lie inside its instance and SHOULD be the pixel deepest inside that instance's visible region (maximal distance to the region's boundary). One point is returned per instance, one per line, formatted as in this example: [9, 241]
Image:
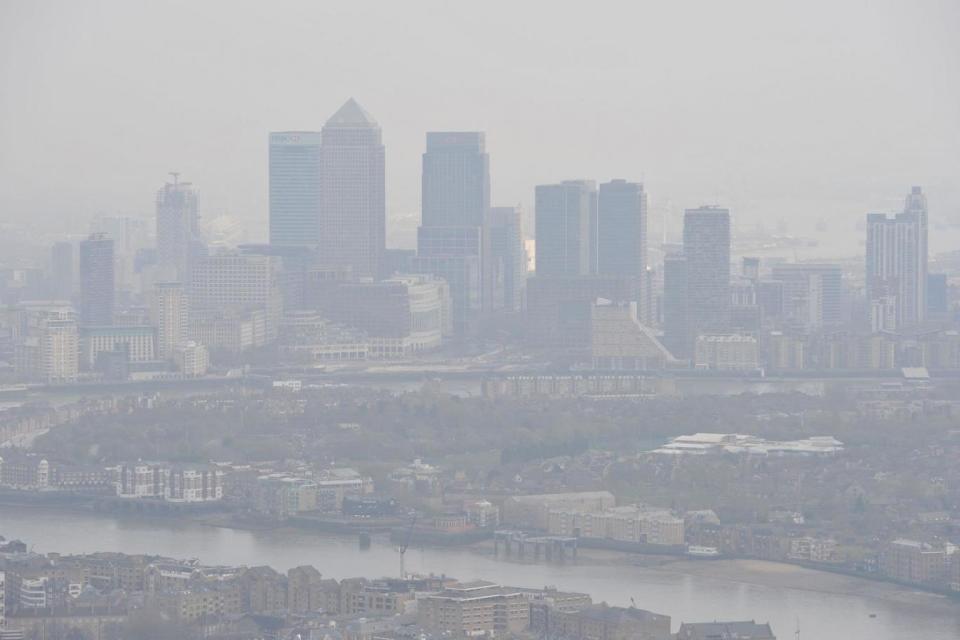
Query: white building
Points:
[138, 341]
[192, 359]
[171, 316]
[727, 352]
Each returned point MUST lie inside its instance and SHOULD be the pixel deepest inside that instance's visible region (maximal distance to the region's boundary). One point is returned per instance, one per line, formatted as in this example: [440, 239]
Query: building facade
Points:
[295, 188]
[352, 226]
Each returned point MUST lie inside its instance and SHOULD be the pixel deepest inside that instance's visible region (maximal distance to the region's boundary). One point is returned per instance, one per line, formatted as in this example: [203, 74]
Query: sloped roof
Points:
[351, 114]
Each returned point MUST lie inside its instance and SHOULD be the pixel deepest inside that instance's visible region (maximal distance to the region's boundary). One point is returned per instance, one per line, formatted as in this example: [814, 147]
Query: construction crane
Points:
[406, 543]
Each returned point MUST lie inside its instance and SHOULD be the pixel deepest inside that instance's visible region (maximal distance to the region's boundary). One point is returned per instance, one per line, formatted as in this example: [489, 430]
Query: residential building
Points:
[508, 259]
[727, 352]
[171, 315]
[191, 358]
[62, 272]
[96, 281]
[676, 318]
[619, 341]
[352, 224]
[706, 247]
[743, 630]
[474, 608]
[896, 259]
[812, 294]
[533, 511]
[177, 229]
[603, 622]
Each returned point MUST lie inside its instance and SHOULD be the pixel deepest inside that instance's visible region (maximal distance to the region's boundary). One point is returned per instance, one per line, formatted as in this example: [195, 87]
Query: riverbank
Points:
[741, 571]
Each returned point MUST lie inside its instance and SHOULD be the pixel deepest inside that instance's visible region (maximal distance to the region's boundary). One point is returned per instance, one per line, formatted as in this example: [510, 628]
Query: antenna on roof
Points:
[176, 176]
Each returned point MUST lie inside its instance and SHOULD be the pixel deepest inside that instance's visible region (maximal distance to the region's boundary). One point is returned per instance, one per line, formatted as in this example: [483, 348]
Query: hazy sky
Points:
[777, 108]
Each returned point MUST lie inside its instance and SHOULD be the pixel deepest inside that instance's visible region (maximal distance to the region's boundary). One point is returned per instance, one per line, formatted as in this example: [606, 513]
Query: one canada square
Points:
[327, 191]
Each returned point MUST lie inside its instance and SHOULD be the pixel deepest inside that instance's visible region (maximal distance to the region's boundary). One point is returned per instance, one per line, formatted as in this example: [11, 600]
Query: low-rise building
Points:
[474, 608]
[742, 630]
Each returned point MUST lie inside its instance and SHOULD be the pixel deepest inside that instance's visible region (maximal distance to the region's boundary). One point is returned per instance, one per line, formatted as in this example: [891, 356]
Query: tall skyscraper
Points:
[352, 197]
[177, 229]
[170, 312]
[96, 281]
[564, 213]
[897, 257]
[508, 257]
[295, 188]
[622, 229]
[676, 329]
[61, 271]
[706, 247]
[453, 239]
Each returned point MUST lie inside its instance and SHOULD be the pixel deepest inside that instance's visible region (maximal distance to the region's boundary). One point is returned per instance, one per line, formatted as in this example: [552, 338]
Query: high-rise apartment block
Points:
[61, 273]
[171, 315]
[896, 260]
[295, 188]
[352, 211]
[96, 281]
[706, 247]
[508, 258]
[177, 230]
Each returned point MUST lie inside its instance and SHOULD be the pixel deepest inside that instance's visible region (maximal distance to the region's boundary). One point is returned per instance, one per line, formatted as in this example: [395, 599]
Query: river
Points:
[827, 606]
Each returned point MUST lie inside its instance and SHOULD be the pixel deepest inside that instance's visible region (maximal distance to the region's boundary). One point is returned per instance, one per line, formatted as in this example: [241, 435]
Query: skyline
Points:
[692, 128]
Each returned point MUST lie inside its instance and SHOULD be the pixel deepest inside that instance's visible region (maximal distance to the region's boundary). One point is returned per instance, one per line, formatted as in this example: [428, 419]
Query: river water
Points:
[900, 614]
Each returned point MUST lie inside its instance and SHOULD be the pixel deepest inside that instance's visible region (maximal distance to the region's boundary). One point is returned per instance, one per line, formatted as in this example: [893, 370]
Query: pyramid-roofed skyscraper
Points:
[352, 208]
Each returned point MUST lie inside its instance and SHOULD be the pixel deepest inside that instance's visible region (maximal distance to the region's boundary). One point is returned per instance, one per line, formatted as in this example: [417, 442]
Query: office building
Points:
[233, 284]
[508, 258]
[453, 240]
[46, 345]
[177, 229]
[295, 188]
[938, 294]
[401, 316]
[706, 247]
[812, 294]
[137, 342]
[96, 281]
[61, 274]
[170, 313]
[565, 213]
[192, 359]
[896, 260]
[676, 325]
[352, 223]
[621, 229]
